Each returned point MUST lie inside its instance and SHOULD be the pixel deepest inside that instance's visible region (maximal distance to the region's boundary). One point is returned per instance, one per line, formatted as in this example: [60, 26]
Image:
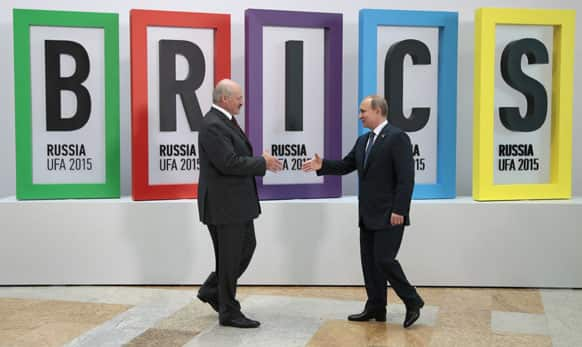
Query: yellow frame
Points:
[560, 185]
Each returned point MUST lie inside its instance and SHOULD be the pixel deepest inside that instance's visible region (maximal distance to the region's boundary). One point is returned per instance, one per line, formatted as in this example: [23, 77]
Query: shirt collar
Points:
[225, 112]
[379, 128]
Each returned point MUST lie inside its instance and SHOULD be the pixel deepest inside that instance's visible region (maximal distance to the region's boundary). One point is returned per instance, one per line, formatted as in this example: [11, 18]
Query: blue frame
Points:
[448, 23]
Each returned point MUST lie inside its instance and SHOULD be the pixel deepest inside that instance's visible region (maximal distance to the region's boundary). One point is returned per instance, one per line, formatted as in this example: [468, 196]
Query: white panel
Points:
[186, 167]
[274, 101]
[505, 96]
[53, 169]
[420, 89]
[305, 242]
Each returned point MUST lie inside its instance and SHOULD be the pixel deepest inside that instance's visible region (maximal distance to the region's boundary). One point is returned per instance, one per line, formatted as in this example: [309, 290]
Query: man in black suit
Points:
[228, 200]
[383, 158]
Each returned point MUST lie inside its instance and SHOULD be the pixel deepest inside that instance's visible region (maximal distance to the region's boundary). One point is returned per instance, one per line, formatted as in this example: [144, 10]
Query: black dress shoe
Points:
[209, 300]
[412, 313]
[367, 314]
[240, 322]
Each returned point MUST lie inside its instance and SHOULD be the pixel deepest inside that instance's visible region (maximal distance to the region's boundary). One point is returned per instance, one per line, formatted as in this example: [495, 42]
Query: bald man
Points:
[228, 201]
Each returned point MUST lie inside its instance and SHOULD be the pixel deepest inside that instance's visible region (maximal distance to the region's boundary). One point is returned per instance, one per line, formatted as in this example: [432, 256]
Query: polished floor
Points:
[290, 316]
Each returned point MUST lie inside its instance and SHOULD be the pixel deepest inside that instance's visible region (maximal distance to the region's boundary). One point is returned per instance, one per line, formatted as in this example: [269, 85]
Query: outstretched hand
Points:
[313, 164]
[273, 164]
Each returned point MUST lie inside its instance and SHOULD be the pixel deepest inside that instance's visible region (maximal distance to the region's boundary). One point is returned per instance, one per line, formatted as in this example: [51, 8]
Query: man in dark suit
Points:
[228, 200]
[383, 158]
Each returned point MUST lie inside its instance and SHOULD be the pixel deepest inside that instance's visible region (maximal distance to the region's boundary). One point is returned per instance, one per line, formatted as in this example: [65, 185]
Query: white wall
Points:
[349, 9]
[118, 241]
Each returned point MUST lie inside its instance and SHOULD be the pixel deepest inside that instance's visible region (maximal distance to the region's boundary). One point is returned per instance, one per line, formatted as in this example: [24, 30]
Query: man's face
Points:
[234, 102]
[370, 118]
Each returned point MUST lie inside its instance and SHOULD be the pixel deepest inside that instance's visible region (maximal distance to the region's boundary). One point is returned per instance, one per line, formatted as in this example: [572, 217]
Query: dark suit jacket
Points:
[227, 191]
[387, 181]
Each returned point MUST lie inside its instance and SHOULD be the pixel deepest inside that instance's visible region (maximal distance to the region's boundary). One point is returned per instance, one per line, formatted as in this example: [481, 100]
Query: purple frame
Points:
[255, 20]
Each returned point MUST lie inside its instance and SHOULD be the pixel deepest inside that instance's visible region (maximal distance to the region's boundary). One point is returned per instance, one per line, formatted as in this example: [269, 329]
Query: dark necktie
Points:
[235, 123]
[233, 120]
[369, 147]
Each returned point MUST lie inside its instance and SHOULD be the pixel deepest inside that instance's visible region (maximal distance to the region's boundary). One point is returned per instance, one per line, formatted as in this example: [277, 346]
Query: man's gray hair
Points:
[222, 89]
[378, 102]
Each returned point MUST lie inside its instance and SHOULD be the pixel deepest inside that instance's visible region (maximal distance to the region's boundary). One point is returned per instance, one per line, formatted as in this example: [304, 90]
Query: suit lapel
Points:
[234, 128]
[362, 150]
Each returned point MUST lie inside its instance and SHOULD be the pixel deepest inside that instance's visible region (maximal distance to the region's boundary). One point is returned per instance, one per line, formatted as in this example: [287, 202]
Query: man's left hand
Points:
[396, 219]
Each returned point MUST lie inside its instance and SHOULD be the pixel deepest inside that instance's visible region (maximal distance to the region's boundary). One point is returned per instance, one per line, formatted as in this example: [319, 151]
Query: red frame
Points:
[139, 21]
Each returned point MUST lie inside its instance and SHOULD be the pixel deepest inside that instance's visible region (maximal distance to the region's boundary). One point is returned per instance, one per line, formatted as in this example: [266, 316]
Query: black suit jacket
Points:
[387, 181]
[227, 191]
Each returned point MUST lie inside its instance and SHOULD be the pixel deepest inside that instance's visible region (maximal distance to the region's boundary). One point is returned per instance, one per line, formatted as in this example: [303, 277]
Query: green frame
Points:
[23, 20]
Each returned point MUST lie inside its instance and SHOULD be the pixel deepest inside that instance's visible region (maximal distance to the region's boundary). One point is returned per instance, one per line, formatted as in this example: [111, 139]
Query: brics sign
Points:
[67, 98]
[176, 59]
[523, 104]
[410, 57]
[67, 104]
[293, 81]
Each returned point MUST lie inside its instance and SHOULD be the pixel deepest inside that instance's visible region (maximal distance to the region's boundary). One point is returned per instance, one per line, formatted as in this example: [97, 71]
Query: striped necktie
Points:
[369, 147]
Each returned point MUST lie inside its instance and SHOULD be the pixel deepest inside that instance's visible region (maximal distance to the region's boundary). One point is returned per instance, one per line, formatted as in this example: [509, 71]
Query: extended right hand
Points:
[273, 164]
[313, 164]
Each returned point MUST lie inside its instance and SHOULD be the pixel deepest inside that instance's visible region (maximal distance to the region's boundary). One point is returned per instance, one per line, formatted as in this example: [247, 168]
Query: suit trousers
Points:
[234, 245]
[378, 250]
